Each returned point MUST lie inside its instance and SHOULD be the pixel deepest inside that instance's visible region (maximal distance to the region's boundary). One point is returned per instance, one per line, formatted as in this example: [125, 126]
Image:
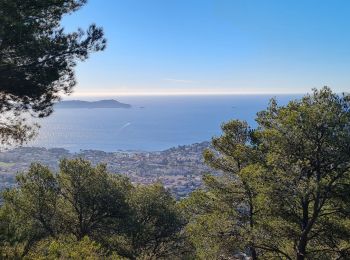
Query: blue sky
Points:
[222, 46]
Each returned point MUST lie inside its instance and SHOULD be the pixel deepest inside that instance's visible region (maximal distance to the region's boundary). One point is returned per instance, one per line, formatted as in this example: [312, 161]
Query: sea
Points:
[153, 123]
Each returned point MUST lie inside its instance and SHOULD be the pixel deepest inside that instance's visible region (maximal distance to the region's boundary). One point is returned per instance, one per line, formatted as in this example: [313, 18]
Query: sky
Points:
[169, 47]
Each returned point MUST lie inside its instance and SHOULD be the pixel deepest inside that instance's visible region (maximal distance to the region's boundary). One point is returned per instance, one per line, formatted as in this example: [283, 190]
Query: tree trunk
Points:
[253, 253]
[301, 249]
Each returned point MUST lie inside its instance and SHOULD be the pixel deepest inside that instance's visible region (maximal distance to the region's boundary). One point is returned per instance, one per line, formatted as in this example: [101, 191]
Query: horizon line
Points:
[107, 94]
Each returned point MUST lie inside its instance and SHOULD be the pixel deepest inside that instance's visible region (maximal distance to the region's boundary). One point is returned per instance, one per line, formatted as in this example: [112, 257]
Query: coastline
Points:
[179, 168]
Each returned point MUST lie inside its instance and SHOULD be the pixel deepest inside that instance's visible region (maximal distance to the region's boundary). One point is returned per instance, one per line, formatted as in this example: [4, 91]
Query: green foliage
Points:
[284, 187]
[157, 224]
[85, 212]
[94, 200]
[223, 217]
[30, 211]
[37, 59]
[67, 247]
[308, 144]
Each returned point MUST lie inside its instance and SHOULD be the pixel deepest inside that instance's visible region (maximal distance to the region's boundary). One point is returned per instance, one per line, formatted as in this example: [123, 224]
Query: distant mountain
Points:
[109, 103]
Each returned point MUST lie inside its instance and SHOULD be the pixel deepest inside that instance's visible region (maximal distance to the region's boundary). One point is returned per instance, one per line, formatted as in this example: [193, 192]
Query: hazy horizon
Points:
[170, 94]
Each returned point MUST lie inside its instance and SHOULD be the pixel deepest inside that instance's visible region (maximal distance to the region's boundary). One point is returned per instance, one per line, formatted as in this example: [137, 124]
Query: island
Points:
[108, 103]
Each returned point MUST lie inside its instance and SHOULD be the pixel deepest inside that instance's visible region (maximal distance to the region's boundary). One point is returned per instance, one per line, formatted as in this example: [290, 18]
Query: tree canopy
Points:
[284, 188]
[91, 212]
[37, 59]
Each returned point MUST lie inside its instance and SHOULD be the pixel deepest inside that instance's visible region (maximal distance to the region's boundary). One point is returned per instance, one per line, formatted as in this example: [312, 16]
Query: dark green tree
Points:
[37, 60]
[30, 211]
[85, 206]
[94, 201]
[81, 200]
[284, 188]
[307, 146]
[157, 224]
[223, 218]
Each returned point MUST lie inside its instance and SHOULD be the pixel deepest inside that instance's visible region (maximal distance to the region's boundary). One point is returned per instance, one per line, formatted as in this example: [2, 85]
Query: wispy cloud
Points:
[179, 80]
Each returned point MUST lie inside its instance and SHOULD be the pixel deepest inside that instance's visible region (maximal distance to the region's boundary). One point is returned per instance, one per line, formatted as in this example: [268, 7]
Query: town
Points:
[179, 169]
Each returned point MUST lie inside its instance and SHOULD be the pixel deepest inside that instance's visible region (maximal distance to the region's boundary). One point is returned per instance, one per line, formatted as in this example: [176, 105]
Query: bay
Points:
[153, 123]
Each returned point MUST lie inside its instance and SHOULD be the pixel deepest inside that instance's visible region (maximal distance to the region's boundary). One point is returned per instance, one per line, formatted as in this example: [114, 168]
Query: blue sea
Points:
[153, 123]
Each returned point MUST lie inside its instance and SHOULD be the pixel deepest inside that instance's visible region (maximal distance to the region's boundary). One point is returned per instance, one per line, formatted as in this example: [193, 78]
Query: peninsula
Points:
[109, 103]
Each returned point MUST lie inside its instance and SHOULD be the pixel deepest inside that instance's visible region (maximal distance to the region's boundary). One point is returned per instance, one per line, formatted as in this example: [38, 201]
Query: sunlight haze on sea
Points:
[153, 123]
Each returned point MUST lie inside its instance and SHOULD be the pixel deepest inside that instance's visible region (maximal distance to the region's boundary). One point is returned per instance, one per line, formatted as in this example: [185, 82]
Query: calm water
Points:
[153, 123]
